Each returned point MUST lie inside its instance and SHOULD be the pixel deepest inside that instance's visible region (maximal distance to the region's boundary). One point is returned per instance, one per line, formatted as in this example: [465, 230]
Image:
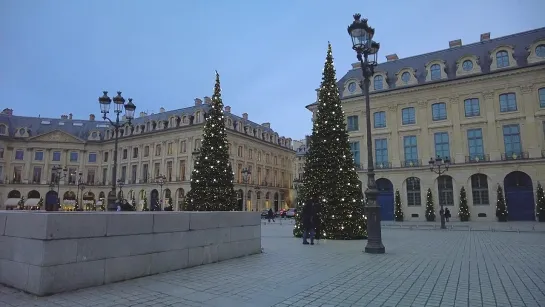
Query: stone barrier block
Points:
[66, 277]
[169, 261]
[231, 219]
[90, 249]
[171, 221]
[66, 225]
[205, 220]
[245, 233]
[3, 218]
[123, 268]
[26, 225]
[129, 223]
[202, 255]
[167, 241]
[56, 252]
[14, 274]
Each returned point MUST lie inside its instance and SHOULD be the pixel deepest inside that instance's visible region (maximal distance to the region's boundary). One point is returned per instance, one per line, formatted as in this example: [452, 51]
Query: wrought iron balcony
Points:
[508, 156]
[478, 158]
[411, 163]
[383, 165]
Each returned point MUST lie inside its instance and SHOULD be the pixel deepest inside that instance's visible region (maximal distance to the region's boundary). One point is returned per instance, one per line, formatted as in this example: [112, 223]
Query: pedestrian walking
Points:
[447, 214]
[270, 215]
[307, 215]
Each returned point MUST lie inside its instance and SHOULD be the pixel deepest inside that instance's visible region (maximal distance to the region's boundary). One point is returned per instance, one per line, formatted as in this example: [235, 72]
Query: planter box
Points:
[49, 252]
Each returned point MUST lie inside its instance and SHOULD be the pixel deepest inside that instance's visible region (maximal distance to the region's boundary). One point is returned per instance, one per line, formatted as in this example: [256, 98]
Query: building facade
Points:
[482, 105]
[156, 145]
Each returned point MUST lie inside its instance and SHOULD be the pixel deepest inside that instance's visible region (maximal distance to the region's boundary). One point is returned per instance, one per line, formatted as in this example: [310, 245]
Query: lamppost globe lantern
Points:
[361, 34]
[105, 103]
[119, 103]
[129, 110]
[373, 53]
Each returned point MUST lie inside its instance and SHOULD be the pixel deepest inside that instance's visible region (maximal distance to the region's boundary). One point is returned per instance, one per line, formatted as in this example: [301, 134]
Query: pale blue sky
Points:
[57, 56]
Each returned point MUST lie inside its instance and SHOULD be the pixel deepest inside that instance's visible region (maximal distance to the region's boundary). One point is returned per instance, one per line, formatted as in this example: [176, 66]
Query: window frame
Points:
[435, 72]
[379, 119]
[355, 150]
[472, 107]
[352, 123]
[502, 59]
[511, 143]
[445, 190]
[413, 149]
[439, 111]
[480, 194]
[411, 116]
[442, 144]
[413, 191]
[378, 80]
[505, 100]
[381, 151]
[473, 139]
[541, 97]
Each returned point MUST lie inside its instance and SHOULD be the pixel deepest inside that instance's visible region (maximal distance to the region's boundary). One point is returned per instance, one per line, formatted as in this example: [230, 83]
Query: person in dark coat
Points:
[270, 215]
[307, 216]
[447, 214]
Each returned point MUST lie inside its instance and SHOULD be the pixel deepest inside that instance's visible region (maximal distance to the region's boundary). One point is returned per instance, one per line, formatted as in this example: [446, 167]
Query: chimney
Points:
[392, 57]
[70, 116]
[7, 111]
[455, 43]
[198, 101]
[64, 116]
[91, 117]
[161, 110]
[266, 125]
[207, 100]
[485, 37]
[356, 65]
[227, 109]
[142, 114]
[245, 116]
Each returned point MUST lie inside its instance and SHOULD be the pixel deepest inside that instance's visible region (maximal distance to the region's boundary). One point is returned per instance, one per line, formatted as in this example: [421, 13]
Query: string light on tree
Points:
[463, 211]
[330, 174]
[430, 208]
[540, 205]
[501, 206]
[398, 208]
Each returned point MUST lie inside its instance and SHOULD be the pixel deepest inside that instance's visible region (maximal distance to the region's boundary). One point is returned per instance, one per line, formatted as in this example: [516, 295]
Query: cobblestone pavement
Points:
[420, 268]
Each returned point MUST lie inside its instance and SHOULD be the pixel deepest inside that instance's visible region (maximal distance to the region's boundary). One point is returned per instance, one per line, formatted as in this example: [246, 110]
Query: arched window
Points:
[435, 70]
[377, 82]
[502, 59]
[446, 191]
[479, 189]
[414, 197]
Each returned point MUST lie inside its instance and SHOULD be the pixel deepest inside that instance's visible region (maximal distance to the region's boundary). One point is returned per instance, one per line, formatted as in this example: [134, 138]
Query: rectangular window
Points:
[169, 149]
[380, 119]
[133, 173]
[442, 148]
[145, 173]
[355, 149]
[125, 154]
[471, 107]
[39, 155]
[541, 92]
[352, 123]
[1, 155]
[475, 144]
[157, 170]
[37, 174]
[123, 173]
[508, 102]
[169, 171]
[411, 150]
[183, 147]
[19, 154]
[72, 173]
[92, 157]
[408, 116]
[146, 151]
[135, 153]
[73, 156]
[182, 170]
[56, 156]
[91, 176]
[17, 174]
[511, 140]
[104, 176]
[439, 111]
[381, 151]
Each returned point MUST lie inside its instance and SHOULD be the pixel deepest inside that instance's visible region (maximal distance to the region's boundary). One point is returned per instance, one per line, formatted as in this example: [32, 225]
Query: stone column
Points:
[529, 105]
[27, 172]
[493, 143]
[457, 148]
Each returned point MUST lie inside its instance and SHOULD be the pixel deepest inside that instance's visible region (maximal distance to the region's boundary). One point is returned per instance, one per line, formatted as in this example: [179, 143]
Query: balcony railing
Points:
[411, 163]
[507, 156]
[478, 158]
[383, 165]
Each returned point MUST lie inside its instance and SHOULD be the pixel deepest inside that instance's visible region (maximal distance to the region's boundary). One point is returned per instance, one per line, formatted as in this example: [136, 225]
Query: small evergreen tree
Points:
[212, 178]
[145, 204]
[430, 208]
[169, 207]
[463, 211]
[501, 206]
[540, 203]
[398, 209]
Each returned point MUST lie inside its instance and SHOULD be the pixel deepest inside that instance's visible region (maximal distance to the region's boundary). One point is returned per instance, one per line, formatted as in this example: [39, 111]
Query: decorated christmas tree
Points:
[501, 206]
[463, 211]
[540, 203]
[398, 208]
[330, 174]
[212, 177]
[169, 207]
[430, 208]
[145, 204]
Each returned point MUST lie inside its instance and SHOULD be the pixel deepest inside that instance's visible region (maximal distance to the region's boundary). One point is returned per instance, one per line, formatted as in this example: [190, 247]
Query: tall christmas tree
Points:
[398, 209]
[212, 177]
[540, 204]
[430, 208]
[501, 206]
[330, 174]
[463, 211]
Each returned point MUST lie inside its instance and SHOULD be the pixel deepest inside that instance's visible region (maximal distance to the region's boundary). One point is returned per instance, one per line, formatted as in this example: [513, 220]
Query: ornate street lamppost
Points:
[119, 104]
[81, 187]
[161, 181]
[366, 51]
[245, 179]
[440, 166]
[60, 173]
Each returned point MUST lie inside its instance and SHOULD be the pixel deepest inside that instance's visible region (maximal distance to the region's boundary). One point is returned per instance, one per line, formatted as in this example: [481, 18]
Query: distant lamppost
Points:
[81, 187]
[161, 181]
[60, 173]
[120, 184]
[119, 104]
[245, 179]
[366, 51]
[440, 166]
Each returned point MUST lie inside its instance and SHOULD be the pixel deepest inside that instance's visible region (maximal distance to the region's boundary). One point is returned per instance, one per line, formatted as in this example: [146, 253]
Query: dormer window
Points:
[377, 82]
[435, 72]
[502, 59]
[405, 77]
[3, 129]
[94, 134]
[540, 51]
[467, 65]
[352, 87]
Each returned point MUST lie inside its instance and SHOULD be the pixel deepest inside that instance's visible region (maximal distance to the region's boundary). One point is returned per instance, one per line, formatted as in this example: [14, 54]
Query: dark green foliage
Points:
[463, 211]
[398, 208]
[540, 203]
[430, 208]
[501, 206]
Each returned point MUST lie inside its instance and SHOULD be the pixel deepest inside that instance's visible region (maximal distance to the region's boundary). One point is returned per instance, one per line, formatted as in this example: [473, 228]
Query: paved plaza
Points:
[421, 268]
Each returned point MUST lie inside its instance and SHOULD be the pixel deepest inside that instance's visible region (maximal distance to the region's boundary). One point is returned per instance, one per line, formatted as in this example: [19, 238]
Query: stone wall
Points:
[45, 253]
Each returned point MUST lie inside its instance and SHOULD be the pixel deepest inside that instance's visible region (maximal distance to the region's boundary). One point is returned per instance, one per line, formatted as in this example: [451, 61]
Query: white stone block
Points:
[26, 225]
[123, 268]
[169, 261]
[129, 223]
[205, 220]
[167, 221]
[66, 225]
[67, 277]
[3, 218]
[168, 241]
[90, 249]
